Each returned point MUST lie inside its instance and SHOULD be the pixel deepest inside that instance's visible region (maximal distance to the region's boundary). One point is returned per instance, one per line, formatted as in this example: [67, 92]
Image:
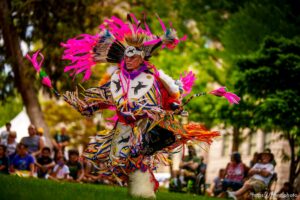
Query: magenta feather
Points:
[78, 51]
[161, 23]
[37, 66]
[152, 42]
[187, 80]
[112, 120]
[231, 97]
[47, 82]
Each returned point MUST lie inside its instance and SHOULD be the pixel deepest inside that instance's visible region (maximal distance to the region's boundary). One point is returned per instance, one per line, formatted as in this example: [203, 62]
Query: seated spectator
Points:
[33, 141]
[90, 172]
[200, 178]
[61, 140]
[60, 170]
[175, 182]
[4, 134]
[268, 150]
[190, 163]
[216, 187]
[4, 162]
[75, 167]
[58, 154]
[40, 132]
[261, 174]
[11, 144]
[23, 163]
[44, 163]
[192, 166]
[235, 173]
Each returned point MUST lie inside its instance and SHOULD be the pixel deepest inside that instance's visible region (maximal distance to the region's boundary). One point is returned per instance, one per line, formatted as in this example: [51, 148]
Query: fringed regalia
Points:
[145, 100]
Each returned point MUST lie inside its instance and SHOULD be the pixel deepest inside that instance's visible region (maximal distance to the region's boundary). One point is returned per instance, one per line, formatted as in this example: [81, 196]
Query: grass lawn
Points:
[15, 188]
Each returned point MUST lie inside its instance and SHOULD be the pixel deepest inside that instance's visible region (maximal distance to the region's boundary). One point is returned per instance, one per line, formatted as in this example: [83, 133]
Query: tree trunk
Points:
[235, 139]
[21, 76]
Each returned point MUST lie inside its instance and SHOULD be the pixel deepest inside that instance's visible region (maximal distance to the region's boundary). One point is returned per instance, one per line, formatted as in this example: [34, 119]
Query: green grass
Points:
[15, 188]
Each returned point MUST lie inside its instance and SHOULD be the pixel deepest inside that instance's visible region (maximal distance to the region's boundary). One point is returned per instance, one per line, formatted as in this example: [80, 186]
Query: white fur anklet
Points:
[141, 185]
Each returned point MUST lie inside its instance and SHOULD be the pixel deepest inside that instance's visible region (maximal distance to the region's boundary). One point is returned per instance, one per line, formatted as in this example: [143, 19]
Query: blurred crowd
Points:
[236, 180]
[31, 158]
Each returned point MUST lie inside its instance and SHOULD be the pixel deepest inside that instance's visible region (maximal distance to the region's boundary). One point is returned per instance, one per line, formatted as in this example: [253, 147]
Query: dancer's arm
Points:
[96, 98]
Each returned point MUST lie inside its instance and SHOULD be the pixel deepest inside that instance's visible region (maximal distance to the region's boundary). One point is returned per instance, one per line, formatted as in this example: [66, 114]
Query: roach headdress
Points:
[115, 39]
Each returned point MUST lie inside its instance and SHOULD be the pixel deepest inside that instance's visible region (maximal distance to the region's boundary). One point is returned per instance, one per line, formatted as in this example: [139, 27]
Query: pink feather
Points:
[47, 82]
[161, 23]
[146, 26]
[183, 38]
[112, 120]
[37, 66]
[151, 42]
[188, 80]
[231, 97]
[78, 51]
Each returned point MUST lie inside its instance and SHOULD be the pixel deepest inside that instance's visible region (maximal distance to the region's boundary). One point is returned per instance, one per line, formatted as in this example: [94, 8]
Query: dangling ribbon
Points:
[42, 74]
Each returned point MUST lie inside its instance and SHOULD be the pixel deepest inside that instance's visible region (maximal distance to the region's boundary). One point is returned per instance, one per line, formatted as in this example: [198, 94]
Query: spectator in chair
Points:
[235, 173]
[190, 163]
[201, 176]
[4, 162]
[268, 150]
[4, 134]
[23, 163]
[75, 167]
[261, 174]
[34, 142]
[44, 163]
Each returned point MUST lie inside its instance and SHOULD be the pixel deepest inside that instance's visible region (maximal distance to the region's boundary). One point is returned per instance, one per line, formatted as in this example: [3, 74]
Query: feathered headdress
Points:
[116, 38]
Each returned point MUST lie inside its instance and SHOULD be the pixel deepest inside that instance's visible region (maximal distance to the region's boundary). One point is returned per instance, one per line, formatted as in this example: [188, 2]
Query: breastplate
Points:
[134, 89]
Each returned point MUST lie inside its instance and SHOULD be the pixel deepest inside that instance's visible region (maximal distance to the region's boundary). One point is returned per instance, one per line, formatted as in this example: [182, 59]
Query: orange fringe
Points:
[105, 78]
[198, 132]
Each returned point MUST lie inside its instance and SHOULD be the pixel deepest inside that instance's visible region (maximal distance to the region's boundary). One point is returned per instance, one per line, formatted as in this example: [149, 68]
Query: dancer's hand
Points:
[176, 107]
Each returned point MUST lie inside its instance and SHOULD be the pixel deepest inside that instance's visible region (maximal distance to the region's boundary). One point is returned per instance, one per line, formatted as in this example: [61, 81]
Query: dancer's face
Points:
[133, 62]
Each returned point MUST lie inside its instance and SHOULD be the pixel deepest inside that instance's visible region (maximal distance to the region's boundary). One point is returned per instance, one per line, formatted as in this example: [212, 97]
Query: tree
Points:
[9, 109]
[247, 24]
[44, 24]
[270, 78]
[15, 59]
[246, 29]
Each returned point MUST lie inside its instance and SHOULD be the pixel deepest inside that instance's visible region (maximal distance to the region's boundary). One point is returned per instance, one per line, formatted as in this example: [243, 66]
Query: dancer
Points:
[145, 100]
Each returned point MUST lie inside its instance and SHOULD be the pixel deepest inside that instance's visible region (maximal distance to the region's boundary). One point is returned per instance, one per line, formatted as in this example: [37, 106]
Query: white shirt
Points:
[4, 136]
[61, 172]
[10, 148]
[268, 167]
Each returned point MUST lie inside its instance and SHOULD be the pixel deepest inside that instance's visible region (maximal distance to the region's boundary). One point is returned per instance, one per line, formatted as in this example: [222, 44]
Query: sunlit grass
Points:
[15, 188]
